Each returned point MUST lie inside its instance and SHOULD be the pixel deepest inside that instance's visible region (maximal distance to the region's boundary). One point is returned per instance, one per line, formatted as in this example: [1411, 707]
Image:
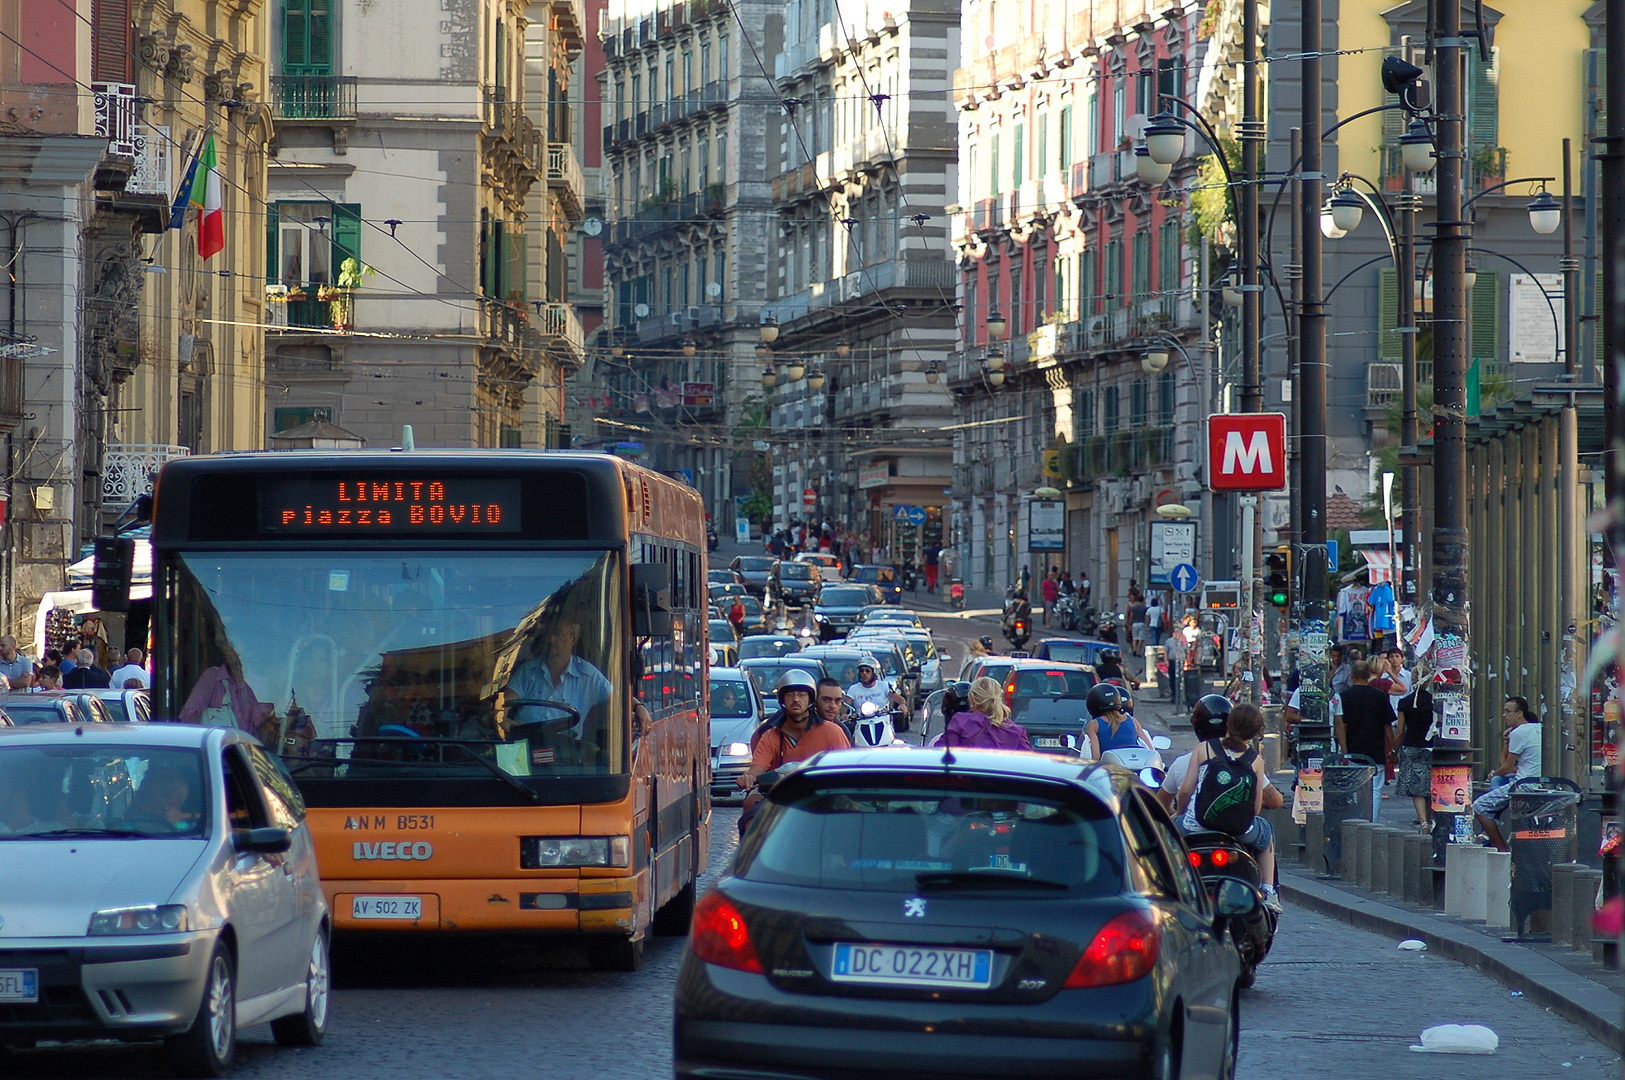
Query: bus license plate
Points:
[19, 984]
[386, 907]
[910, 965]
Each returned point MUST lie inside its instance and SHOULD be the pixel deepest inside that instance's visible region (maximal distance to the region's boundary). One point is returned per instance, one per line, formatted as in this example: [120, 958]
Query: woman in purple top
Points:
[987, 723]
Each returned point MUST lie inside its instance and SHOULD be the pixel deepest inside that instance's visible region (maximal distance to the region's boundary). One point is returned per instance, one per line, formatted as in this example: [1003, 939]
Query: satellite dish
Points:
[641, 311]
[592, 226]
[713, 289]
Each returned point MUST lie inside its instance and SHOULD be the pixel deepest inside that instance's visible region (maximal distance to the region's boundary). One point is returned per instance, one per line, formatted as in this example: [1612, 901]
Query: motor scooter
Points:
[1144, 762]
[956, 595]
[868, 725]
[1219, 857]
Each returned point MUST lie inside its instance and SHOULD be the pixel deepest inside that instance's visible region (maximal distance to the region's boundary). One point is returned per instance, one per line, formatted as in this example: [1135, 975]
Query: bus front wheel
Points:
[615, 953]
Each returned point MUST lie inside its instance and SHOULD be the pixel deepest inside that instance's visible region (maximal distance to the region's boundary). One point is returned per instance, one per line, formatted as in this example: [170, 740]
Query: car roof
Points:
[1027, 663]
[727, 673]
[183, 735]
[1106, 783]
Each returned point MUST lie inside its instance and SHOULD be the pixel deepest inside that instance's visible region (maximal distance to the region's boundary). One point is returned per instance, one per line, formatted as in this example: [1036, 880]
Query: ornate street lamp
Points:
[1416, 147]
[770, 328]
[1150, 171]
[996, 326]
[689, 347]
[1545, 213]
[1164, 139]
[795, 370]
[1347, 209]
[815, 381]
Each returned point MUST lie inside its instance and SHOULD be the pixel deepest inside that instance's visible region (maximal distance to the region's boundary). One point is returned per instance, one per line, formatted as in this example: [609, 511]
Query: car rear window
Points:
[931, 838]
[844, 597]
[1071, 652]
[752, 647]
[801, 571]
[757, 565]
[40, 714]
[876, 574]
[1051, 683]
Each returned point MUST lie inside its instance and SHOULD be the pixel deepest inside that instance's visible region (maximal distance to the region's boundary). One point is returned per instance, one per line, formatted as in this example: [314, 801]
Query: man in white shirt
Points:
[1521, 758]
[555, 673]
[133, 669]
[871, 688]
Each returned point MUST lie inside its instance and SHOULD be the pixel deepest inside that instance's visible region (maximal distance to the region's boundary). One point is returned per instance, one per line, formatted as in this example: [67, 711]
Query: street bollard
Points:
[1587, 881]
[1497, 888]
[1314, 843]
[1396, 862]
[1362, 854]
[1418, 878]
[1563, 903]
[1376, 869]
[1464, 881]
[1341, 861]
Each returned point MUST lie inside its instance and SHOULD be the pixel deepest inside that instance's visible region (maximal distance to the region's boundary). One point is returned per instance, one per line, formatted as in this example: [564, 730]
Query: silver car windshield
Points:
[67, 792]
[730, 699]
[366, 663]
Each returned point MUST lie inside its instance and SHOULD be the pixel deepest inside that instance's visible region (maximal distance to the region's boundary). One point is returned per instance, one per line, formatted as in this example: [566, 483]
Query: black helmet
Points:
[986, 641]
[1112, 654]
[955, 699]
[1103, 698]
[1209, 716]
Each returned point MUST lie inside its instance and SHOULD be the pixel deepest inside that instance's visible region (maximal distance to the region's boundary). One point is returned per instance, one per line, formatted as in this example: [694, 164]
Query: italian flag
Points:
[206, 196]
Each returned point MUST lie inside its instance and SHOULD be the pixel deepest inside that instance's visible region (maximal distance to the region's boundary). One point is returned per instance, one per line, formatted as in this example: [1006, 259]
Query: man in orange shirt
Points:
[795, 732]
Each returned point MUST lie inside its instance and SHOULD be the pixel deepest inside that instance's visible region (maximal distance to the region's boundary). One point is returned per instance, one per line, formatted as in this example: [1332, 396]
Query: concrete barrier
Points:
[1314, 843]
[1584, 905]
[1418, 878]
[1362, 853]
[1395, 885]
[1563, 903]
[1497, 888]
[1272, 749]
[1376, 874]
[1464, 881]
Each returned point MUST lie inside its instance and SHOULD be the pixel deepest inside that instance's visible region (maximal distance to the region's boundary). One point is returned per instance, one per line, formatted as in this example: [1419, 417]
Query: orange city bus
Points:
[485, 672]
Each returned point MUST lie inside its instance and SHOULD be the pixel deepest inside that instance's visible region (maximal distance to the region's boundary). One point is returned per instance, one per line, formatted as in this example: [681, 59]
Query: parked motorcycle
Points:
[956, 595]
[1066, 612]
[1218, 858]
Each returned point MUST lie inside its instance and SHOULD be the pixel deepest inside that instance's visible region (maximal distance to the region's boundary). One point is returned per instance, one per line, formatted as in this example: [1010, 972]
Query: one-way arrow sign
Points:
[1184, 578]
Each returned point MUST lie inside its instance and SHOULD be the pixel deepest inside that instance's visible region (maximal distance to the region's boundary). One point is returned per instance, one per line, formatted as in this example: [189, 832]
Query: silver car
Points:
[734, 717]
[156, 881]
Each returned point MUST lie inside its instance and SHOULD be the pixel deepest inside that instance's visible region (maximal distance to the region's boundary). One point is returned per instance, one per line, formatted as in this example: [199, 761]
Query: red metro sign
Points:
[1246, 451]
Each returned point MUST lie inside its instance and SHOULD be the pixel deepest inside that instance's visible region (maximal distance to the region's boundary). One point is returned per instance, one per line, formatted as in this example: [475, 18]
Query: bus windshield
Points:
[405, 663]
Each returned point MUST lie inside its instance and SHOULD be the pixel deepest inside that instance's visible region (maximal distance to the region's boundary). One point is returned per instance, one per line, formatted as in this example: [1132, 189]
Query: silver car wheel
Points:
[221, 1003]
[318, 981]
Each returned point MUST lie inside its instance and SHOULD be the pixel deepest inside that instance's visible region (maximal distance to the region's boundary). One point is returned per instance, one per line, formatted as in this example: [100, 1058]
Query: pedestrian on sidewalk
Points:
[1415, 758]
[933, 560]
[1520, 758]
[1366, 725]
[1137, 609]
[1188, 648]
[1340, 667]
[1051, 588]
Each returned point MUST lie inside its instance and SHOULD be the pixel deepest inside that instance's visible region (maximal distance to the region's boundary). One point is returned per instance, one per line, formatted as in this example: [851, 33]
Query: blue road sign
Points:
[900, 512]
[916, 515]
[1185, 578]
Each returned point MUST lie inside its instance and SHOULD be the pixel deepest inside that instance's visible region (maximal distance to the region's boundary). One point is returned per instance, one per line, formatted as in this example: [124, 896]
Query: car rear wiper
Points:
[984, 877]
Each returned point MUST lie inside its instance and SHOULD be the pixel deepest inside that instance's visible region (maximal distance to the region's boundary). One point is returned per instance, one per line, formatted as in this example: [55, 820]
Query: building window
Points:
[1018, 301]
[1170, 80]
[1018, 163]
[1043, 146]
[1114, 273]
[1142, 265]
[1109, 421]
[1165, 399]
[300, 415]
[993, 169]
[307, 37]
[1065, 301]
[1088, 283]
[1168, 258]
[1138, 404]
[1083, 413]
[1065, 140]
[307, 242]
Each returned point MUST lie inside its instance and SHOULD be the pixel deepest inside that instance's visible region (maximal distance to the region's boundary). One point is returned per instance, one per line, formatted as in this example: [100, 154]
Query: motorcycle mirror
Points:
[1161, 742]
[1235, 899]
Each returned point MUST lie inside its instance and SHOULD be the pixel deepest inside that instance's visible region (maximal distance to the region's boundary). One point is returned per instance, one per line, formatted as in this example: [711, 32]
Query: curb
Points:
[1543, 981]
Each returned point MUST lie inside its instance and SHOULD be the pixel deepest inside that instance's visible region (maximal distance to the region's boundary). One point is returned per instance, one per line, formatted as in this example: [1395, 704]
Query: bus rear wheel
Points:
[615, 953]
[673, 919]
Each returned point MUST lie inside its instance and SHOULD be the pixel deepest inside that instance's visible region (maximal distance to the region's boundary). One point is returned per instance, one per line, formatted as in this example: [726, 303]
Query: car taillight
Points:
[719, 935]
[1009, 693]
[1124, 950]
[1196, 859]
[1220, 857]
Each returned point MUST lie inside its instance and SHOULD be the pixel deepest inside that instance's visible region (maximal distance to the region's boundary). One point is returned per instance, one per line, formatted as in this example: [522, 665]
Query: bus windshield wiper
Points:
[506, 777]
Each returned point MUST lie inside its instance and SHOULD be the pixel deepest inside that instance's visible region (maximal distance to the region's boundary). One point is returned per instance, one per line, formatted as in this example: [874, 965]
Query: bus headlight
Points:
[558, 852]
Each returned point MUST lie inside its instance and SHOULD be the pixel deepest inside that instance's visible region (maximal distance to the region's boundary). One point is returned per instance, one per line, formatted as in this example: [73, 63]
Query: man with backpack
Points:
[1227, 779]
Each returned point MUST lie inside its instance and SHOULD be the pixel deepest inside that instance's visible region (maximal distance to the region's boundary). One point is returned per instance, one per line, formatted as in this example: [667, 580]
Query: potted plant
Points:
[341, 296]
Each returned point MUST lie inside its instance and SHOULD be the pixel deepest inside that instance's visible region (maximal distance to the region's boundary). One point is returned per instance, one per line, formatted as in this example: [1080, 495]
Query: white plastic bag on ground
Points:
[1458, 1039]
[1413, 945]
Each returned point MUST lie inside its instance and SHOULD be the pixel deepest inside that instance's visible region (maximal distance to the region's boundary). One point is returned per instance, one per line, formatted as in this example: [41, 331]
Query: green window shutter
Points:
[1142, 264]
[516, 269]
[1486, 317]
[346, 235]
[1389, 347]
[307, 37]
[1065, 160]
[1018, 152]
[1483, 100]
[1043, 146]
[1088, 303]
[272, 235]
[1114, 270]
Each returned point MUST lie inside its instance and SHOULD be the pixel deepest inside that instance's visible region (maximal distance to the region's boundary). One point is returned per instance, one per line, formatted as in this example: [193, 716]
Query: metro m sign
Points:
[1246, 451]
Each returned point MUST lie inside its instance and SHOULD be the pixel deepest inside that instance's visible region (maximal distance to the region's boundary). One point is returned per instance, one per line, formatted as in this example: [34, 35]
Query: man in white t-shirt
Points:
[1521, 758]
[133, 669]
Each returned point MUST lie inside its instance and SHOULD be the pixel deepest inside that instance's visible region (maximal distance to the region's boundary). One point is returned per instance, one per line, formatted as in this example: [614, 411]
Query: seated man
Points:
[1519, 759]
[553, 672]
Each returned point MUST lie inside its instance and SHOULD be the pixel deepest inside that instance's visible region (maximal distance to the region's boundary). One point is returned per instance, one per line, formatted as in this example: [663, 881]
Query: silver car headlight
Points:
[152, 919]
[737, 749]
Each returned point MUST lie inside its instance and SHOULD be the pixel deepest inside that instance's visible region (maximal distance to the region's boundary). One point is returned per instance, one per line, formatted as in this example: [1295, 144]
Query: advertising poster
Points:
[1310, 797]
[1450, 787]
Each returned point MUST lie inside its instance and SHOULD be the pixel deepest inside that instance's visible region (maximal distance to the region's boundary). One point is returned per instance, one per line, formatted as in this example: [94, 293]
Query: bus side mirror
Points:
[649, 615]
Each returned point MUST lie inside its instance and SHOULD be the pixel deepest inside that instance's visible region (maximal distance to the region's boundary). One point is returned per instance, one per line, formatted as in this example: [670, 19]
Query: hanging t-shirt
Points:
[1381, 602]
[1353, 610]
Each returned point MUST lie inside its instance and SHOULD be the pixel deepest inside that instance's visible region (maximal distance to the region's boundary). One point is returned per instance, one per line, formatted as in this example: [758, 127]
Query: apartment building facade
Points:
[1083, 369]
[862, 271]
[423, 186]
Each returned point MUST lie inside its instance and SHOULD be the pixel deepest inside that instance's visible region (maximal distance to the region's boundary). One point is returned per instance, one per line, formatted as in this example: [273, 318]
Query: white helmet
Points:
[868, 661]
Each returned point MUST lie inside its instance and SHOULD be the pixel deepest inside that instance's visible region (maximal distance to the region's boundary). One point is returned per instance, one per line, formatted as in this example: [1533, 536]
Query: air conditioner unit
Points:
[677, 318]
[693, 313]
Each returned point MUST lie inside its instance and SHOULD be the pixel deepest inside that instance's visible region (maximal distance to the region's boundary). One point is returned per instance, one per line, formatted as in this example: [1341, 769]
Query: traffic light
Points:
[1278, 577]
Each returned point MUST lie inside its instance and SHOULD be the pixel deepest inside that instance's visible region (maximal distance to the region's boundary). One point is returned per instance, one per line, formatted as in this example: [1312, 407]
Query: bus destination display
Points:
[390, 504]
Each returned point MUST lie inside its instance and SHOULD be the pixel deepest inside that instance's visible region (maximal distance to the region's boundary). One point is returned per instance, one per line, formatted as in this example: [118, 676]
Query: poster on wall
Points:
[1172, 543]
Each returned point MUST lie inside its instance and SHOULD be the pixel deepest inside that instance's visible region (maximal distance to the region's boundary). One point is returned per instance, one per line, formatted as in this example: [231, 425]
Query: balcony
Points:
[115, 122]
[1382, 385]
[510, 132]
[559, 328]
[128, 469]
[564, 178]
[14, 356]
[313, 97]
[147, 190]
[502, 326]
[570, 22]
[988, 217]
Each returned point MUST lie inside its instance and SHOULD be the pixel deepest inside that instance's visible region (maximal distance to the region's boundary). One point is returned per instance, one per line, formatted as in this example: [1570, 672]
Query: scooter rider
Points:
[1110, 666]
[1111, 726]
[1208, 721]
[870, 688]
[795, 732]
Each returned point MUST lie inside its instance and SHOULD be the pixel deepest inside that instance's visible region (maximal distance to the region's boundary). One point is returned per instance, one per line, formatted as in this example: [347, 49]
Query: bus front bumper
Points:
[547, 905]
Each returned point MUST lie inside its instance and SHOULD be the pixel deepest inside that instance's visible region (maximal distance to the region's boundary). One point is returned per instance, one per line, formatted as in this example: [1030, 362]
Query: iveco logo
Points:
[406, 852]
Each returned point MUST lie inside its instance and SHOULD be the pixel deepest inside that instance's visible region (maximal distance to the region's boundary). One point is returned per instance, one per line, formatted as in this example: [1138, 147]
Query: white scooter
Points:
[870, 726]
[1146, 763]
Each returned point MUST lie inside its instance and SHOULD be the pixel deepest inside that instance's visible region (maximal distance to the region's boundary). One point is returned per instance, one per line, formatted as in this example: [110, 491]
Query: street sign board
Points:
[742, 530]
[1172, 543]
[809, 498]
[908, 515]
[1184, 578]
[1046, 525]
[1246, 451]
[916, 515]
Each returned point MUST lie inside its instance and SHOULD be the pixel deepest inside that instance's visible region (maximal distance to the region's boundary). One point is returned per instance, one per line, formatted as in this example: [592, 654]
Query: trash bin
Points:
[1541, 824]
[1346, 796]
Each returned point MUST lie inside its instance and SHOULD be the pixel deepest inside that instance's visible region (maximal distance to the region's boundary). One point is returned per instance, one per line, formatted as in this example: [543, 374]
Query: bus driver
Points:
[554, 672]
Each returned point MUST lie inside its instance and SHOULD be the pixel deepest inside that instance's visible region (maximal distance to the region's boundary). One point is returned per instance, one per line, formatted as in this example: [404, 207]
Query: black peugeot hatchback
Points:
[906, 914]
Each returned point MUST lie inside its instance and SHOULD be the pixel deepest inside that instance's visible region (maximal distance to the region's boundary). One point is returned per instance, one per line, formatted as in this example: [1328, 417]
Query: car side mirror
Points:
[266, 840]
[1236, 899]
[1161, 742]
[944, 657]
